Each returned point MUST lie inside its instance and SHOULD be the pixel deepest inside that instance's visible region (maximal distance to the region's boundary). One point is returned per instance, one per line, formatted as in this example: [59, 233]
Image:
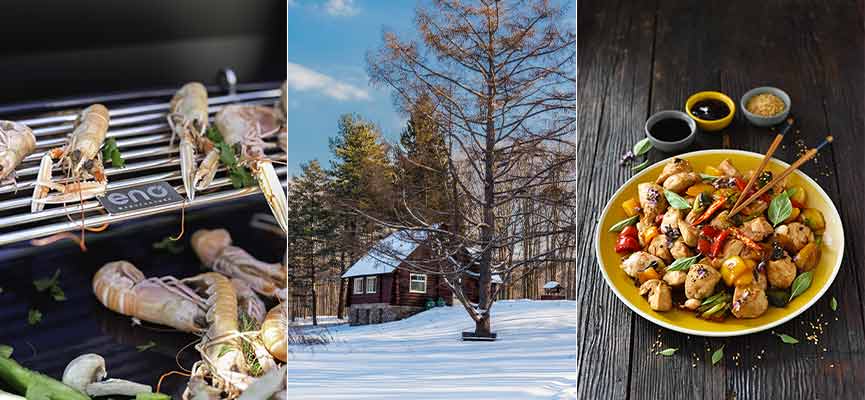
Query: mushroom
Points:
[83, 370]
[86, 373]
[116, 387]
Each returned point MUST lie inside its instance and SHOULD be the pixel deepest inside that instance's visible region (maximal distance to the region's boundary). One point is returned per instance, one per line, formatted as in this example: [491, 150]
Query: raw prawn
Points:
[81, 160]
[274, 332]
[188, 119]
[16, 142]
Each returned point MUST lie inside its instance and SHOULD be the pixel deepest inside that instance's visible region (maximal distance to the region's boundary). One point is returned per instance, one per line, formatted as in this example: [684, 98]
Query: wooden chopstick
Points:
[774, 146]
[802, 160]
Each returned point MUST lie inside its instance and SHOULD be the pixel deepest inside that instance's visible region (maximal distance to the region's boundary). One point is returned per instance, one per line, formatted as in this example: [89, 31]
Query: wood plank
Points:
[613, 74]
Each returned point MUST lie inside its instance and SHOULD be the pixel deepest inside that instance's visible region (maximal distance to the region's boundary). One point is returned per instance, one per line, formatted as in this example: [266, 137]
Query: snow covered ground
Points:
[422, 357]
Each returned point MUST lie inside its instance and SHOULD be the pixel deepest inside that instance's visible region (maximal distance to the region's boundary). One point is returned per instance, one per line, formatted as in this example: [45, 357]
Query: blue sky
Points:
[327, 45]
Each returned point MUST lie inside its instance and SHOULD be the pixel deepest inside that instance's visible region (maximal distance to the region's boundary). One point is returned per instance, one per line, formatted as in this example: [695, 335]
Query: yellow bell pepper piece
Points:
[695, 190]
[710, 170]
[736, 272]
[650, 234]
[793, 215]
[631, 207]
[647, 275]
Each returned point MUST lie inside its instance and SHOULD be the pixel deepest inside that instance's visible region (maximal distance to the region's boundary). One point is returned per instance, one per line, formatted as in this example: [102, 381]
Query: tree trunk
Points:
[482, 326]
[341, 302]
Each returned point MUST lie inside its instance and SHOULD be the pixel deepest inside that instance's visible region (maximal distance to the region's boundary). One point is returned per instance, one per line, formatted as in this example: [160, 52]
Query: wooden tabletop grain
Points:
[639, 57]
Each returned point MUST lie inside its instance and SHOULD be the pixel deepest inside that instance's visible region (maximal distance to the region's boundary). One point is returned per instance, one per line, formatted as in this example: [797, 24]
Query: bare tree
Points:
[502, 75]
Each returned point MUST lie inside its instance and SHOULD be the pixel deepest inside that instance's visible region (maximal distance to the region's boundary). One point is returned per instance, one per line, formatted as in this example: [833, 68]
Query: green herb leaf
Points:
[707, 177]
[780, 208]
[52, 285]
[676, 201]
[34, 316]
[171, 246]
[147, 346]
[667, 352]
[57, 293]
[111, 152]
[718, 355]
[152, 396]
[787, 339]
[642, 147]
[639, 167]
[618, 226]
[833, 304]
[778, 297]
[683, 264]
[801, 284]
[5, 351]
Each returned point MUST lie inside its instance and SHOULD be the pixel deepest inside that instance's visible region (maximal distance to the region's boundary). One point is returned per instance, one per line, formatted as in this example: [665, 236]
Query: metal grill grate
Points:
[142, 135]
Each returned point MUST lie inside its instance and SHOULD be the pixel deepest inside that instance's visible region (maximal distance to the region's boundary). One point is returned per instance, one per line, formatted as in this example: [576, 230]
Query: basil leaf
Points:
[718, 355]
[618, 226]
[676, 201]
[642, 147]
[833, 304]
[801, 284]
[34, 316]
[780, 208]
[639, 167]
[788, 339]
[667, 352]
[707, 177]
[683, 264]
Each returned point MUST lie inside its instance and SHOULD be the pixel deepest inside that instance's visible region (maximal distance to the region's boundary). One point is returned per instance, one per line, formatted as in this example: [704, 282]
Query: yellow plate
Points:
[684, 321]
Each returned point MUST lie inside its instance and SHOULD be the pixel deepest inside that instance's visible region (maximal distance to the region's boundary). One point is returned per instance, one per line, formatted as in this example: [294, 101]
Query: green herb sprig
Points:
[718, 355]
[676, 201]
[787, 338]
[34, 316]
[618, 226]
[683, 264]
[668, 352]
[239, 175]
[801, 284]
[111, 152]
[171, 246]
[52, 285]
[780, 208]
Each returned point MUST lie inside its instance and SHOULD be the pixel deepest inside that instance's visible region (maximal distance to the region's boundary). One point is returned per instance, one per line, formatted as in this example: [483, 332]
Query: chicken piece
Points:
[732, 247]
[659, 247]
[680, 250]
[689, 233]
[762, 281]
[755, 208]
[660, 294]
[681, 181]
[721, 222]
[675, 166]
[757, 229]
[670, 223]
[781, 272]
[794, 236]
[701, 281]
[652, 200]
[675, 278]
[639, 261]
[727, 168]
[749, 301]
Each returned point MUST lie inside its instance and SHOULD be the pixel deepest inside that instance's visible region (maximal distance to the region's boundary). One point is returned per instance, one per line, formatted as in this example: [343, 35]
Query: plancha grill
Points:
[138, 124]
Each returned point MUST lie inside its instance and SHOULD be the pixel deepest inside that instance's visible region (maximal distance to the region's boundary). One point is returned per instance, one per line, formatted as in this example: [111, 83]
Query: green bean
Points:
[714, 309]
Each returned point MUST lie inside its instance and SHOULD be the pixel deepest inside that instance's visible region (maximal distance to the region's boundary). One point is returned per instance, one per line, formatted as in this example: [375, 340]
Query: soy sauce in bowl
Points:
[670, 129]
[710, 109]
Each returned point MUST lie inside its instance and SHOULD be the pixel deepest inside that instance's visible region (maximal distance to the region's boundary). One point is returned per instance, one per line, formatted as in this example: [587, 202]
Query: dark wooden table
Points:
[638, 57]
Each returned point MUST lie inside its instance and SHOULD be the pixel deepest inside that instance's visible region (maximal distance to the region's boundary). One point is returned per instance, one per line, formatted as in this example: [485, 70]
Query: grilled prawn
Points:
[81, 160]
[188, 119]
[16, 143]
[246, 127]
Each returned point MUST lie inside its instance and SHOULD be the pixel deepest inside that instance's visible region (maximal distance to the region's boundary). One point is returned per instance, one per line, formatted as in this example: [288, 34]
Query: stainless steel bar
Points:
[121, 144]
[132, 120]
[116, 112]
[92, 205]
[47, 230]
[128, 155]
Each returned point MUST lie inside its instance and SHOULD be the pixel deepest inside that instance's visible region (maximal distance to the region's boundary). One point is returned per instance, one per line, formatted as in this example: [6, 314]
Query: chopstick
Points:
[774, 146]
[802, 160]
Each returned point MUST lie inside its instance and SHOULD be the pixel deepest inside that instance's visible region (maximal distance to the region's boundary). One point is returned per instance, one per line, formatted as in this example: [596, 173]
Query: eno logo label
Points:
[138, 197]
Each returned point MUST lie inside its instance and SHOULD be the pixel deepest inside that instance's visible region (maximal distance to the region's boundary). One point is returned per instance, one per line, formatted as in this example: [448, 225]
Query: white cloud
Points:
[341, 8]
[302, 79]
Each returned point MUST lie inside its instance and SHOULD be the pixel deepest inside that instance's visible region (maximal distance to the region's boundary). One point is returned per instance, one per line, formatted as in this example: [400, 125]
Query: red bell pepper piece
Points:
[704, 246]
[719, 242]
[709, 231]
[629, 230]
[740, 183]
[627, 244]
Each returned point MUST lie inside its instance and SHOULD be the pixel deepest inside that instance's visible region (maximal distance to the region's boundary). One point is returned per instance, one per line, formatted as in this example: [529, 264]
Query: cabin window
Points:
[370, 284]
[417, 283]
[358, 285]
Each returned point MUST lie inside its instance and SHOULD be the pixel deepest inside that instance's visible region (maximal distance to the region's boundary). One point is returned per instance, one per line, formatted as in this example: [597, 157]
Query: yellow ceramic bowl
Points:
[684, 321]
[718, 124]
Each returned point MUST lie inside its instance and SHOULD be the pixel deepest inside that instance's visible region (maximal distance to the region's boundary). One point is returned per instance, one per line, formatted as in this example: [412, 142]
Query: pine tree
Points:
[312, 231]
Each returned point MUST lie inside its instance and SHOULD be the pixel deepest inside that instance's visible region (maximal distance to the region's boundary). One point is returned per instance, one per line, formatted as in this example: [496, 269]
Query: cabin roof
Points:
[387, 254]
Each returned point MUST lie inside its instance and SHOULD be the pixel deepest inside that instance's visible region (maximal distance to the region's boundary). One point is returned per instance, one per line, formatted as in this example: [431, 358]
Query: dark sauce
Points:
[710, 109]
[670, 130]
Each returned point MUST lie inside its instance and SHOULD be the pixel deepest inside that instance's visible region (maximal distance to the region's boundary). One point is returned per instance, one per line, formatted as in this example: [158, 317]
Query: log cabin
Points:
[382, 287]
